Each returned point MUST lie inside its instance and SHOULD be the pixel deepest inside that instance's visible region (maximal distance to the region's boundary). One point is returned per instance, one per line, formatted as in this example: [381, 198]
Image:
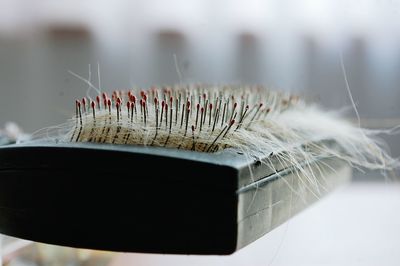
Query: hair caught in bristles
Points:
[251, 120]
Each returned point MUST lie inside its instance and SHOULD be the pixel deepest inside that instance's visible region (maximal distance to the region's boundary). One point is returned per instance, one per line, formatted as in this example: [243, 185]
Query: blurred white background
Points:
[289, 45]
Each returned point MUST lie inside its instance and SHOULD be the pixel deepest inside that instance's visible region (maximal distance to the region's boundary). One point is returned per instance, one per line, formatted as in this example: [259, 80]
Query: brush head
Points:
[249, 119]
[184, 170]
[198, 118]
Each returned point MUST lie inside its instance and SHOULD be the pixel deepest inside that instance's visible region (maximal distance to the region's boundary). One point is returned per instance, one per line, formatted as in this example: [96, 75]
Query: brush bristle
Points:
[252, 121]
[192, 118]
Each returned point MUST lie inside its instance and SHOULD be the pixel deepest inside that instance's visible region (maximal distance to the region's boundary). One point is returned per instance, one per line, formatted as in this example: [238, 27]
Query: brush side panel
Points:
[278, 197]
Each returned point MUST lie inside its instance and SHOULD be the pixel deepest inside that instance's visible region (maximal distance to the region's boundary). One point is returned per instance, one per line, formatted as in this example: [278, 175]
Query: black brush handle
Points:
[148, 199]
[113, 199]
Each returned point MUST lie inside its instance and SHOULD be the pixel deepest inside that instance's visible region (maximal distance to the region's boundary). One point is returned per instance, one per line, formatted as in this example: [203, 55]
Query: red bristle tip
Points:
[171, 99]
[232, 122]
[247, 106]
[78, 103]
[104, 95]
[268, 110]
[93, 104]
[202, 109]
[119, 100]
[133, 98]
[193, 128]
[145, 97]
[163, 104]
[84, 101]
[109, 102]
[261, 104]
[204, 95]
[188, 104]
[198, 106]
[155, 100]
[210, 106]
[234, 105]
[128, 105]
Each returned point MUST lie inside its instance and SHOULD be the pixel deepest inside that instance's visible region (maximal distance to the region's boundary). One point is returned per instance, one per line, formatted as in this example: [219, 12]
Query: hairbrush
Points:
[186, 169]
